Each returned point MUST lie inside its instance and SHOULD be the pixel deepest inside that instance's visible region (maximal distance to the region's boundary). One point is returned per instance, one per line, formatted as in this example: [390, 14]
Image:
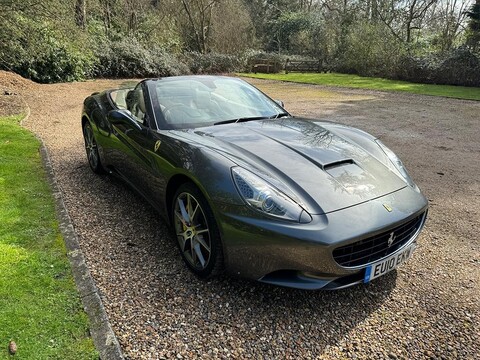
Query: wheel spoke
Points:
[88, 136]
[199, 254]
[185, 216]
[202, 242]
[179, 216]
[194, 212]
[92, 157]
[189, 207]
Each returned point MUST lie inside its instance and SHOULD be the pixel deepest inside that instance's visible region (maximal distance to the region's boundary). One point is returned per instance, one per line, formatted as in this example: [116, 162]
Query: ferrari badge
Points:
[157, 145]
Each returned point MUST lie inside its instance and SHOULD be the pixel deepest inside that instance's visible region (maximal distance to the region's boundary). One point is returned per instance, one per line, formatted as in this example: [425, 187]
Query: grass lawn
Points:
[354, 81]
[40, 308]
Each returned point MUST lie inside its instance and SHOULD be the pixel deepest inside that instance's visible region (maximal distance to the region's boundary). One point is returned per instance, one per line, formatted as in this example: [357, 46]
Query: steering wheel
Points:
[175, 114]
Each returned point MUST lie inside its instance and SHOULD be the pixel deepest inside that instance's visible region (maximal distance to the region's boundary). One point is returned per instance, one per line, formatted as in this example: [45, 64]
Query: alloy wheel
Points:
[91, 147]
[192, 230]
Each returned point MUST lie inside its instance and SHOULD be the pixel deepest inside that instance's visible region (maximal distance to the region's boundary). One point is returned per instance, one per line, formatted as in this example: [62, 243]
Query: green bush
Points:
[418, 68]
[60, 62]
[167, 63]
[461, 67]
[458, 67]
[212, 63]
[370, 51]
[37, 51]
[129, 58]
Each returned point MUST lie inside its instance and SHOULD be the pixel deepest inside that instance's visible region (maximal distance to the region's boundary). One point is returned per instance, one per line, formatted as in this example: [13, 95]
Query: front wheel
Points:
[91, 148]
[197, 233]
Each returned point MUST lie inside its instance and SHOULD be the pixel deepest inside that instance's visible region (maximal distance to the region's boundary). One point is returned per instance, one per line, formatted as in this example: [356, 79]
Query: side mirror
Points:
[123, 117]
[280, 102]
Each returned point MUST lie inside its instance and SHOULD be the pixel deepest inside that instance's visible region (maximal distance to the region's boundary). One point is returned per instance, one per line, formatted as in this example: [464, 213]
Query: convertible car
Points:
[251, 190]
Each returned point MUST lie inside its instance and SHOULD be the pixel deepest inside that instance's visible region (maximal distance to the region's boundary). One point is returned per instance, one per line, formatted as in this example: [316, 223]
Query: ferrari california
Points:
[251, 190]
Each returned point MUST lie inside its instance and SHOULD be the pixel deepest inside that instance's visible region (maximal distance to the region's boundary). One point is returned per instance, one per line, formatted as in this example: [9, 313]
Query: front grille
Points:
[376, 247]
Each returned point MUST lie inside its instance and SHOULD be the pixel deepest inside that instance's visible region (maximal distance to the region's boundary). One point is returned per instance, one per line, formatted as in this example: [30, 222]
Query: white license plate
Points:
[382, 267]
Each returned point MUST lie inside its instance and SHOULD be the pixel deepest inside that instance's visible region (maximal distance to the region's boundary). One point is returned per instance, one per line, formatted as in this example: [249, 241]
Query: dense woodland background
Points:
[433, 41]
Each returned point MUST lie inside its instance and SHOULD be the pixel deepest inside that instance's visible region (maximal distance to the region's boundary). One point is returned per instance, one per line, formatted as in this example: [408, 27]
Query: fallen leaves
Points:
[12, 347]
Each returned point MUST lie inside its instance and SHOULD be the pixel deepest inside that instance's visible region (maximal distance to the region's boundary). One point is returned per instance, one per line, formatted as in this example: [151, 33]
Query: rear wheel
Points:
[197, 233]
[91, 149]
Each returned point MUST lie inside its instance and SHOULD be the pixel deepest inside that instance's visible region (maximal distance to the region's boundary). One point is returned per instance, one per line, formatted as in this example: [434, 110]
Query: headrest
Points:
[129, 99]
[141, 102]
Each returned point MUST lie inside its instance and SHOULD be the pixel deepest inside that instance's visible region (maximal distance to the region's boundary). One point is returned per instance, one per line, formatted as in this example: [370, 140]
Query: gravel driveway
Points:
[429, 308]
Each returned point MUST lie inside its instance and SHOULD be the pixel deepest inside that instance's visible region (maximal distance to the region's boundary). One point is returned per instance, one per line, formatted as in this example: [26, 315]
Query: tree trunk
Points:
[411, 12]
[81, 13]
[107, 15]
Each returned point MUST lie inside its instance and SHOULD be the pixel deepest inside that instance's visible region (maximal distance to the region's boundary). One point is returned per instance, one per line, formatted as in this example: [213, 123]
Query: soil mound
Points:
[11, 87]
[10, 81]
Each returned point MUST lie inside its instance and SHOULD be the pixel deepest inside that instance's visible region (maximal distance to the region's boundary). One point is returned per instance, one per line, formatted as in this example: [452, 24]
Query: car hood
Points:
[319, 164]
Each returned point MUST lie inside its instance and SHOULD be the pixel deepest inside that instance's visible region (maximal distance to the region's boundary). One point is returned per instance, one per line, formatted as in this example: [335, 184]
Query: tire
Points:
[196, 230]
[91, 149]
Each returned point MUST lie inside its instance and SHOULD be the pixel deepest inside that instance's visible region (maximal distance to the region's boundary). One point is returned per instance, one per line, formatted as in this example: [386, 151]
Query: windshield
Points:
[190, 102]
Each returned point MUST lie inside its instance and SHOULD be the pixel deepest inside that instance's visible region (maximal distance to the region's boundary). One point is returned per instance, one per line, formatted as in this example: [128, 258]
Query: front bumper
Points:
[300, 255]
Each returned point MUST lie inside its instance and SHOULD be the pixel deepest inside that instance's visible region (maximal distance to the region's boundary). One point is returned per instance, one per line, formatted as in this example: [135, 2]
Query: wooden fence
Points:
[273, 66]
[264, 66]
[304, 66]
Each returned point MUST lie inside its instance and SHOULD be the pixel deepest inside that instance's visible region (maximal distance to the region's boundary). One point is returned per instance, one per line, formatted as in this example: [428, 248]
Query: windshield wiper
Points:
[243, 119]
[240, 120]
[280, 115]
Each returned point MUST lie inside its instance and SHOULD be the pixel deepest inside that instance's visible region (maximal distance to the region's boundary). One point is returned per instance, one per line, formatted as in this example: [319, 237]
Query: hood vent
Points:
[338, 163]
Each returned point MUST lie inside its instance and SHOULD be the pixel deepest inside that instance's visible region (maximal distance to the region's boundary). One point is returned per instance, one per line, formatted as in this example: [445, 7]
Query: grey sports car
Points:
[250, 189]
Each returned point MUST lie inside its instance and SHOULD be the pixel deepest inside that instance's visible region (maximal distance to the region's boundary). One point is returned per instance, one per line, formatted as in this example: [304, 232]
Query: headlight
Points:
[396, 162]
[267, 199]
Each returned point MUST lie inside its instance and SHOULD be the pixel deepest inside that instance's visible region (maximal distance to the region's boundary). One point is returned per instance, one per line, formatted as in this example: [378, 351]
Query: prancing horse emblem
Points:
[391, 239]
[157, 145]
[387, 207]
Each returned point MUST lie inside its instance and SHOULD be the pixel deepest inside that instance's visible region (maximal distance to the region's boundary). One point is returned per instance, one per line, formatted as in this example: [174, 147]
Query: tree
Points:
[473, 37]
[446, 23]
[403, 17]
[232, 28]
[199, 15]
[416, 11]
[286, 26]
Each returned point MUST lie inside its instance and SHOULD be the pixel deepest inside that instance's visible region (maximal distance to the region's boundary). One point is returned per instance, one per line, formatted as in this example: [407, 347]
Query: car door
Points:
[133, 159]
